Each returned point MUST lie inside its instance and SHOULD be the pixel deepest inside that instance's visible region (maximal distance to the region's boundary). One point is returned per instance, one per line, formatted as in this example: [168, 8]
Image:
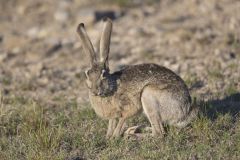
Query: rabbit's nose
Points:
[94, 93]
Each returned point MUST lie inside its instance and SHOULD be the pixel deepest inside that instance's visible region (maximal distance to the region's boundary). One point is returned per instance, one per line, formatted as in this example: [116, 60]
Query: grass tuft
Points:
[31, 131]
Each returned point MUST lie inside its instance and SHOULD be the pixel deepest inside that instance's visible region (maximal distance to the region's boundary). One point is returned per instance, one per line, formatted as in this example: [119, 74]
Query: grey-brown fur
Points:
[156, 90]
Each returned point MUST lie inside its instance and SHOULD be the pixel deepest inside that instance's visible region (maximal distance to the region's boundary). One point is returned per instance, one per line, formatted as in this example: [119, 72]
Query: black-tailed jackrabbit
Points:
[157, 91]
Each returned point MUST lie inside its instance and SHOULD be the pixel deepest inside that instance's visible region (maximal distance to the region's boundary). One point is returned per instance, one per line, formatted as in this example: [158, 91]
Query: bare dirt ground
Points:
[41, 57]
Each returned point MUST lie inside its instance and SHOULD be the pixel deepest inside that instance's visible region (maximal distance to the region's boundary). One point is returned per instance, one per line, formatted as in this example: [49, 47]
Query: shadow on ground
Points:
[228, 105]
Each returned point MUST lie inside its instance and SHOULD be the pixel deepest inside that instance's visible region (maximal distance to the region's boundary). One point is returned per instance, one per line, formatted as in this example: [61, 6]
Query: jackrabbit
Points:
[157, 91]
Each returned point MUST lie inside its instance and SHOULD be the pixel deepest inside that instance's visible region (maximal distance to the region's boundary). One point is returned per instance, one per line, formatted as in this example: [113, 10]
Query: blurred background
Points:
[41, 56]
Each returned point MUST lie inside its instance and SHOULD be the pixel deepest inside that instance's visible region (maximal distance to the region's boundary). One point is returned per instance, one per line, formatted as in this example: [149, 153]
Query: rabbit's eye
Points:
[103, 74]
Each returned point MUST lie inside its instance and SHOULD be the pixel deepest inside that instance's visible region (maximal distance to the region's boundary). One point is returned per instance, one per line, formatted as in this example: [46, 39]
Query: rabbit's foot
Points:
[137, 132]
[133, 130]
[160, 133]
[134, 133]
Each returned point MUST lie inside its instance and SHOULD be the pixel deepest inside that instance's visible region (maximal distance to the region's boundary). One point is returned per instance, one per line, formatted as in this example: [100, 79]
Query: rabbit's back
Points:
[135, 78]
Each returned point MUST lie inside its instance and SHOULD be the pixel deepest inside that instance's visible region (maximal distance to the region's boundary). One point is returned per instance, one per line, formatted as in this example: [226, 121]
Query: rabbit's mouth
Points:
[103, 94]
[100, 93]
[106, 88]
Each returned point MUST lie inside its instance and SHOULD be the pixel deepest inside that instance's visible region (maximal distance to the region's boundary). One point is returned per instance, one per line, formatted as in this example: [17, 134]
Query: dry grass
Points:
[29, 130]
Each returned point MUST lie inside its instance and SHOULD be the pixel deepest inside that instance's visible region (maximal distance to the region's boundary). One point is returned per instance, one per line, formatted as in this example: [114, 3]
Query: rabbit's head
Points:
[97, 77]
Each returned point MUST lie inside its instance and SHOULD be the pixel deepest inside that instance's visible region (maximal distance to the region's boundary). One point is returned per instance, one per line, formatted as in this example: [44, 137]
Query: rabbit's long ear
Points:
[86, 43]
[105, 41]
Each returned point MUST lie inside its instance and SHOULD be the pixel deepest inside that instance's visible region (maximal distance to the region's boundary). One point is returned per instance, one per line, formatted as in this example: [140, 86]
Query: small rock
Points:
[43, 81]
[32, 33]
[43, 33]
[61, 16]
[217, 52]
[36, 32]
[232, 55]
[21, 10]
[16, 50]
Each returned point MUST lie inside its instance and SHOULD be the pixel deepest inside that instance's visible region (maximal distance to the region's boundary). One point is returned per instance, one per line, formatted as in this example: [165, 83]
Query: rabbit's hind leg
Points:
[151, 109]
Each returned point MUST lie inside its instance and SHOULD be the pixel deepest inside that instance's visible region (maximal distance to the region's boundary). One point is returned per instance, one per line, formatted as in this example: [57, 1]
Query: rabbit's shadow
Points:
[228, 105]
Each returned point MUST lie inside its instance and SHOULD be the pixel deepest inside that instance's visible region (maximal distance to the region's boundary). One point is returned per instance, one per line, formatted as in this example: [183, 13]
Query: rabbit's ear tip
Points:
[80, 26]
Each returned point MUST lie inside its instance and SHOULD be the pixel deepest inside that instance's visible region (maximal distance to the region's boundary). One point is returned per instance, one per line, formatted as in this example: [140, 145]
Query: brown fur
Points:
[156, 90]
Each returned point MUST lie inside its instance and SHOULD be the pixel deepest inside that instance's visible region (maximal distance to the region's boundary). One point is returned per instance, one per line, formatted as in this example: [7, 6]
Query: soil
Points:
[41, 56]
